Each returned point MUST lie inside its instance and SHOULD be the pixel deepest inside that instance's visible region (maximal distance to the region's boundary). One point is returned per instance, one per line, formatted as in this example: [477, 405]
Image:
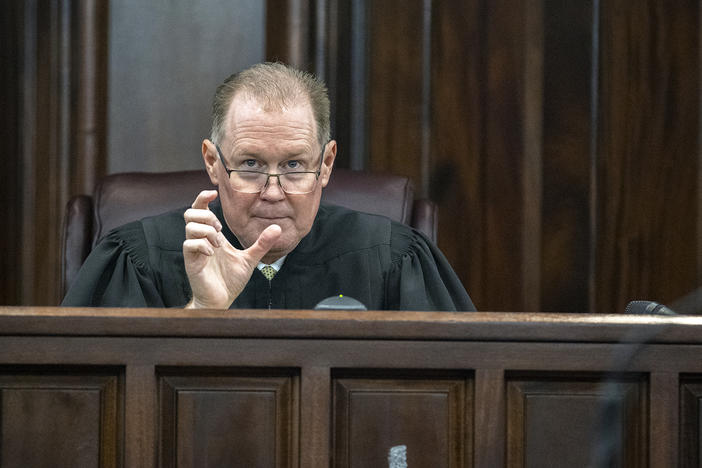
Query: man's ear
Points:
[328, 162]
[209, 155]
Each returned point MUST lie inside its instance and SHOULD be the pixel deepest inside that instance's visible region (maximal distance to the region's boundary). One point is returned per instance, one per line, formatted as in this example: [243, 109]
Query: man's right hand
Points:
[216, 270]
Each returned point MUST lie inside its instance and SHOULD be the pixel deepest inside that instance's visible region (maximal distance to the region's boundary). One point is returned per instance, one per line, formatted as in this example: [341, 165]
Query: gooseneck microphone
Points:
[648, 308]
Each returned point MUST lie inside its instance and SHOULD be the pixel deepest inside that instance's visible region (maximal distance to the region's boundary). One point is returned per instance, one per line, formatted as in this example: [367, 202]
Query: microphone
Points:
[648, 308]
[339, 302]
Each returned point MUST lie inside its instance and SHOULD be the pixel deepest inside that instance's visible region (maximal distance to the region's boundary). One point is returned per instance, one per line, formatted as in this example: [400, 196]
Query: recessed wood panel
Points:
[575, 420]
[690, 421]
[429, 416]
[218, 418]
[59, 420]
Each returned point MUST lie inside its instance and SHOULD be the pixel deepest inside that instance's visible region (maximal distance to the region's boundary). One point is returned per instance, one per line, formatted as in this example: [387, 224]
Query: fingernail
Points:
[218, 226]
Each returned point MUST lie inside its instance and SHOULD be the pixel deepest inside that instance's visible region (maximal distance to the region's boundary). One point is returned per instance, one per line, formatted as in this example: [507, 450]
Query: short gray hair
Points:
[274, 84]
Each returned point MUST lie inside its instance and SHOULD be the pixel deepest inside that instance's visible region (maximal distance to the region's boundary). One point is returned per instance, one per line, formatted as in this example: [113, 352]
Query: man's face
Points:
[269, 140]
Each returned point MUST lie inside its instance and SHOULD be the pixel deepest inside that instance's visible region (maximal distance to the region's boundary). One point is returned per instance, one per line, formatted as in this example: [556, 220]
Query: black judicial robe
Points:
[384, 264]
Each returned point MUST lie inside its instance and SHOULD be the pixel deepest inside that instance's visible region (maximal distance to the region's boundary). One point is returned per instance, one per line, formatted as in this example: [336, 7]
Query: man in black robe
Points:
[262, 240]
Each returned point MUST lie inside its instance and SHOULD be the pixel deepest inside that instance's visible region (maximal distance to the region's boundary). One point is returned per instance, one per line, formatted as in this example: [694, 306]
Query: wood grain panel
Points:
[559, 418]
[690, 420]
[45, 134]
[57, 125]
[396, 87]
[648, 241]
[287, 32]
[209, 418]
[503, 153]
[88, 158]
[456, 180]
[11, 164]
[429, 416]
[66, 419]
[564, 218]
[664, 419]
[345, 73]
[561, 186]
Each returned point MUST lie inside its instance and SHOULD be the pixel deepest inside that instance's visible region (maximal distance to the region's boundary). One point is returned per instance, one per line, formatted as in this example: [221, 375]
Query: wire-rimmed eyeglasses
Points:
[293, 182]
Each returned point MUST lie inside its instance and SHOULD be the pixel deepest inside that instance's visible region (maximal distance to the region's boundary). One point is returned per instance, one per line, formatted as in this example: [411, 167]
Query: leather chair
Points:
[122, 198]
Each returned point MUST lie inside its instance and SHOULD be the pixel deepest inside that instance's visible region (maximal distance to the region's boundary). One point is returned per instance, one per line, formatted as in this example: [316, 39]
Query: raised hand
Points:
[216, 270]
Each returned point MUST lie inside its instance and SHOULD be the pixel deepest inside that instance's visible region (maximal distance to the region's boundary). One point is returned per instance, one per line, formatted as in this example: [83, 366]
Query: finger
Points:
[197, 246]
[199, 216]
[202, 231]
[204, 198]
[264, 242]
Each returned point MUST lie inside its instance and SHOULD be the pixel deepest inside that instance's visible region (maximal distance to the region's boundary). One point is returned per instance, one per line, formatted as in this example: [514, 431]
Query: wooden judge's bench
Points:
[152, 387]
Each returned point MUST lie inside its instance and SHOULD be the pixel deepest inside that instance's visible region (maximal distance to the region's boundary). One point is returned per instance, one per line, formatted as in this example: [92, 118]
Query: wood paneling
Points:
[344, 47]
[227, 418]
[456, 177]
[503, 149]
[648, 239]
[53, 418]
[560, 139]
[288, 32]
[690, 421]
[427, 415]
[56, 122]
[45, 136]
[11, 27]
[576, 420]
[395, 99]
[561, 135]
[564, 162]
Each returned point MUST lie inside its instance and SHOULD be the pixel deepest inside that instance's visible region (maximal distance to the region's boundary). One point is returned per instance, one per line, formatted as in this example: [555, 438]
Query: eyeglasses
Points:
[293, 182]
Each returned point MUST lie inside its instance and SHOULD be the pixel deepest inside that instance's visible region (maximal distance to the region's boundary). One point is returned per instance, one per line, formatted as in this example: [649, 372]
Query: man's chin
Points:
[283, 247]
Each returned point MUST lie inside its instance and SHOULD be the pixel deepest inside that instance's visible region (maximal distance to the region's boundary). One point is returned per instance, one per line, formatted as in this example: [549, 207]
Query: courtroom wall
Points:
[559, 139]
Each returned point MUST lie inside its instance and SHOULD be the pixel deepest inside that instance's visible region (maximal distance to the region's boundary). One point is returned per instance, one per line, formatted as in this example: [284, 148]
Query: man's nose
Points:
[273, 190]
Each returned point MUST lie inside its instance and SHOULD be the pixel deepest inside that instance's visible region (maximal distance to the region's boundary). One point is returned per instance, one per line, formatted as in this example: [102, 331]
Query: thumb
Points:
[264, 242]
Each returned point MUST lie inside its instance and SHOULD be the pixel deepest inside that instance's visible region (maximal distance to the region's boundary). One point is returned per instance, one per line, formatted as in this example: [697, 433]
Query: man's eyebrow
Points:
[301, 152]
[298, 154]
[246, 152]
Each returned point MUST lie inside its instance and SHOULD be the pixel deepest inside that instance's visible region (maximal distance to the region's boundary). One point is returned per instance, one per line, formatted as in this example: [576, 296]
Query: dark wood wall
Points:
[560, 139]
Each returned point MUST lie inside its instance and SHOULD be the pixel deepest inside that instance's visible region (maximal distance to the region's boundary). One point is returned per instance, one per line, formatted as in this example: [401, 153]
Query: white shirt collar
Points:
[276, 265]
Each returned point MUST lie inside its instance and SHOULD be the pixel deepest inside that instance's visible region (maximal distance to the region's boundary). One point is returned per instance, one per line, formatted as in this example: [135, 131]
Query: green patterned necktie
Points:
[269, 272]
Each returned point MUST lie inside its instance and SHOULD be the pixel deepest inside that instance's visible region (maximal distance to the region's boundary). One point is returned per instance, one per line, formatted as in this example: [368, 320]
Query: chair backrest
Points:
[122, 198]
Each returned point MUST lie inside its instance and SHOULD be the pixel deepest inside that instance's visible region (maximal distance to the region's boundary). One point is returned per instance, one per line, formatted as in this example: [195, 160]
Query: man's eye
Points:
[293, 165]
[250, 164]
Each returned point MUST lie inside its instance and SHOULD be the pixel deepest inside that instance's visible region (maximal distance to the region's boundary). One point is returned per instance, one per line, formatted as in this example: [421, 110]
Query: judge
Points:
[262, 239]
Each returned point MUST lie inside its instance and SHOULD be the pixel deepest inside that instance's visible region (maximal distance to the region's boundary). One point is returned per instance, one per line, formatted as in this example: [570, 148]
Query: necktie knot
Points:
[269, 272]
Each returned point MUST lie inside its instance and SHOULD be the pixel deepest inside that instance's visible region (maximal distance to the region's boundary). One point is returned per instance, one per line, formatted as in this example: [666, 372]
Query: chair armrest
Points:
[425, 218]
[76, 238]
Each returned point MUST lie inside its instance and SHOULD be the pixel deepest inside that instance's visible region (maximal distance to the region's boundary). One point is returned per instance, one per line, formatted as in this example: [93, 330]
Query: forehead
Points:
[251, 122]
